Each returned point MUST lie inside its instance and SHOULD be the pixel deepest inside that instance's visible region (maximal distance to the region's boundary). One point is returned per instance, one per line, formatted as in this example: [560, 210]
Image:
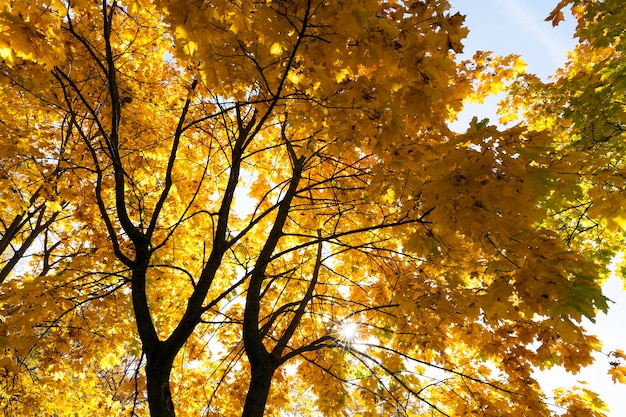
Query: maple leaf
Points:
[249, 208]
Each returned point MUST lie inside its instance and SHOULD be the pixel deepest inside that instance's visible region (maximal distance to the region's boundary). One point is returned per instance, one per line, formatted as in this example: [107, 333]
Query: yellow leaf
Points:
[276, 49]
[388, 197]
[190, 47]
[6, 55]
[618, 374]
[341, 75]
[293, 78]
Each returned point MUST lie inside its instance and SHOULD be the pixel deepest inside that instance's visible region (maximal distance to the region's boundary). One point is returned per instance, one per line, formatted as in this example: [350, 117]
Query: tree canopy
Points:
[259, 208]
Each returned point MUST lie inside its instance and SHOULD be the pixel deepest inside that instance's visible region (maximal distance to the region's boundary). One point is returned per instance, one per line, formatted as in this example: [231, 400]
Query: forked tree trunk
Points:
[158, 387]
[259, 389]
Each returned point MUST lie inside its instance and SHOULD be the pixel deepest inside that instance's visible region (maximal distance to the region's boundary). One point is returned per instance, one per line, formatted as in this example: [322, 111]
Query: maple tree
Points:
[584, 111]
[258, 207]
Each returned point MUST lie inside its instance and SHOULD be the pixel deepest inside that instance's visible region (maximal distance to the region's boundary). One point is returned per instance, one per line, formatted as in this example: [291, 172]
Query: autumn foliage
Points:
[259, 208]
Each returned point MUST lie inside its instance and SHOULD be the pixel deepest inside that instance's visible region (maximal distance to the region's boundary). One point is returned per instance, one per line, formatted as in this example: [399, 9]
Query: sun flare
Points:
[348, 332]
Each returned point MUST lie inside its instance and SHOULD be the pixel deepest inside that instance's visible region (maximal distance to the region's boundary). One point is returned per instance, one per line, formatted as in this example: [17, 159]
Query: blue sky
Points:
[513, 27]
[518, 27]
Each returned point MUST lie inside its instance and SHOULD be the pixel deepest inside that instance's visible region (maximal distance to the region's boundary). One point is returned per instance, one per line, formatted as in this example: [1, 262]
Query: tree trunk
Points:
[259, 389]
[159, 394]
